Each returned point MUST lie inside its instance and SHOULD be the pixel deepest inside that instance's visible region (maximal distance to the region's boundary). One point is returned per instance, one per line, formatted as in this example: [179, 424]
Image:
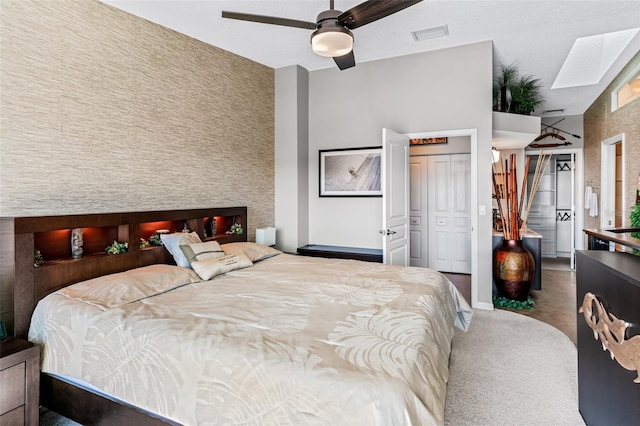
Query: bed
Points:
[253, 336]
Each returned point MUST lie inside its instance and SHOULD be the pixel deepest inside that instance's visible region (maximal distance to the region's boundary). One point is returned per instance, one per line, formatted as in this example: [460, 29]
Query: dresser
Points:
[19, 382]
[608, 283]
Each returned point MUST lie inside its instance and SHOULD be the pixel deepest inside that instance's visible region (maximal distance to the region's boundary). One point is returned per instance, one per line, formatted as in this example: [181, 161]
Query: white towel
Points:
[587, 197]
[593, 205]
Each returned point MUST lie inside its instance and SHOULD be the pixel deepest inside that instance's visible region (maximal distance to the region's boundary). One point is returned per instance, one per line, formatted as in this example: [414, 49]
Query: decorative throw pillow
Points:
[202, 251]
[254, 251]
[172, 242]
[209, 268]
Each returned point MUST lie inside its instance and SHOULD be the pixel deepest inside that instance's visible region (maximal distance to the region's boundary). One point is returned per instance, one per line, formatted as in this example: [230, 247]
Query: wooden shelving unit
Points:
[23, 284]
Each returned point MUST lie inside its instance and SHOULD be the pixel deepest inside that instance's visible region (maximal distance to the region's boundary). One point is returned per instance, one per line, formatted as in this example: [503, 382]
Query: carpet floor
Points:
[509, 369]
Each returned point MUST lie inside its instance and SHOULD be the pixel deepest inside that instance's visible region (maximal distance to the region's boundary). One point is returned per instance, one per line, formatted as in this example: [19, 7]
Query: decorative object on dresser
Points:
[514, 266]
[611, 332]
[19, 381]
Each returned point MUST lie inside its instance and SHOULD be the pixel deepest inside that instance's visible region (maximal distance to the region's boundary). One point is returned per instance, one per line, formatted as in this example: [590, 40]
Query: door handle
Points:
[386, 232]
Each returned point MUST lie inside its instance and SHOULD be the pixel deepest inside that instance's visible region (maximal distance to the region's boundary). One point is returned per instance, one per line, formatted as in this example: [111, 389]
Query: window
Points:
[627, 91]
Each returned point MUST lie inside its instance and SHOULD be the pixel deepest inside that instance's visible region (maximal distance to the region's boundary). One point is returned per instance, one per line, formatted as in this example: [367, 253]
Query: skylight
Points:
[591, 57]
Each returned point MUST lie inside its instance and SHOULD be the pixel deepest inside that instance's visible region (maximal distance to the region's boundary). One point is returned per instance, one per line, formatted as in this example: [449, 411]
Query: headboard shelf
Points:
[22, 284]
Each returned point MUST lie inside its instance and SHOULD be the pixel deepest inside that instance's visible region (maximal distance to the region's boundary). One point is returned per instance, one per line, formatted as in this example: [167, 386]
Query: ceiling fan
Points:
[332, 36]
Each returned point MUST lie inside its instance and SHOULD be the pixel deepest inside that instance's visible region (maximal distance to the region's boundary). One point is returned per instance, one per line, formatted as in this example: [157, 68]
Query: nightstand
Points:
[19, 382]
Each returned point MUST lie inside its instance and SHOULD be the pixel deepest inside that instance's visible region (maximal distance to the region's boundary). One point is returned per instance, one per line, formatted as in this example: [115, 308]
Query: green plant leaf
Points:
[503, 302]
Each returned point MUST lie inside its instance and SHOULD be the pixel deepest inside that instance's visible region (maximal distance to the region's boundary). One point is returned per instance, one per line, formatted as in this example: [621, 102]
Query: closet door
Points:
[418, 230]
[448, 213]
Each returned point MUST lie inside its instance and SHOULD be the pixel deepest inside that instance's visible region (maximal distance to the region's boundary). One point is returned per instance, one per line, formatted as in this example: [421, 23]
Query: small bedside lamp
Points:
[266, 236]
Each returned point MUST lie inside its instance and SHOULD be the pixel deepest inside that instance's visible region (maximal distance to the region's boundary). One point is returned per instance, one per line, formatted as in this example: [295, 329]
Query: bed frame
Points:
[23, 284]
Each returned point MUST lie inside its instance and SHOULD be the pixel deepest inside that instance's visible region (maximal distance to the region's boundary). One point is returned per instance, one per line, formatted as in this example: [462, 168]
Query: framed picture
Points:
[428, 141]
[351, 172]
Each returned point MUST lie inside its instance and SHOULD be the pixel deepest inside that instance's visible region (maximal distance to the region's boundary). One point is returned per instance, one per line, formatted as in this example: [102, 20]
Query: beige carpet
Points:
[509, 369]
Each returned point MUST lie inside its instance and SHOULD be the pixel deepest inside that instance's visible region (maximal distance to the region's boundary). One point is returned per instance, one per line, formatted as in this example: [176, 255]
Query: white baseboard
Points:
[484, 306]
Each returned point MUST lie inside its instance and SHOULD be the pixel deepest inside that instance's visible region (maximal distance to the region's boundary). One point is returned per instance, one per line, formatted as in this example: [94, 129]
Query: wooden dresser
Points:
[607, 392]
[19, 382]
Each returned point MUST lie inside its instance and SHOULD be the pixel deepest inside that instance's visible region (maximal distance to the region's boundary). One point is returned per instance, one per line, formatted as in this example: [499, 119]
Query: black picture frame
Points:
[350, 172]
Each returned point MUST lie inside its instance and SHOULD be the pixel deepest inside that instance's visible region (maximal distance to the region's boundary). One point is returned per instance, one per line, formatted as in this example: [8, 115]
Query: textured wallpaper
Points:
[601, 124]
[101, 111]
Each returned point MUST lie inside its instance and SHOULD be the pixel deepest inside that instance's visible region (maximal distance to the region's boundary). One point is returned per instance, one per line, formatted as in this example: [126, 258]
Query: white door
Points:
[395, 198]
[449, 217]
[418, 231]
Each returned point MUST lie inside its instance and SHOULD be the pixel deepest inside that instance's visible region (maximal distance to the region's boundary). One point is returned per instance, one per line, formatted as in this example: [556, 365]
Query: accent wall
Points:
[101, 111]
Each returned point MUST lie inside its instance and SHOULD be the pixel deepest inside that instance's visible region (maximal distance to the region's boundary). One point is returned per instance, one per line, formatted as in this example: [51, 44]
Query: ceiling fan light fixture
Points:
[332, 41]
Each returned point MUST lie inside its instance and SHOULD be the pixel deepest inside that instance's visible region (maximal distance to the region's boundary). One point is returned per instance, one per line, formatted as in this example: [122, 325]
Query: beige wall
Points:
[601, 124]
[101, 111]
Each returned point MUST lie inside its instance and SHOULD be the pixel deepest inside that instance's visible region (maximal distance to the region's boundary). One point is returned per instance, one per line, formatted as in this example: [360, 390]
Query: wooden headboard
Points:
[22, 284]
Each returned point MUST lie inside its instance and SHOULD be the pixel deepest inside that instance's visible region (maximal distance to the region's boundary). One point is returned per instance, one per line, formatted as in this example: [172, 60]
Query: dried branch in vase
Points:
[514, 212]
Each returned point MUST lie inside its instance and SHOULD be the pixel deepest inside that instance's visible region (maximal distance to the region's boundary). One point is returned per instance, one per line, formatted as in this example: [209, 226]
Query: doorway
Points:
[440, 205]
[557, 212]
[612, 182]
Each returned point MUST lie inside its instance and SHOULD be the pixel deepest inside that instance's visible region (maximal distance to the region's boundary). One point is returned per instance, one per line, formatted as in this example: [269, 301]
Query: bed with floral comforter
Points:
[290, 340]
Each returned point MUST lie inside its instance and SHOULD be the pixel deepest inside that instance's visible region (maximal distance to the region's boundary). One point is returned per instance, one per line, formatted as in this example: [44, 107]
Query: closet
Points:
[440, 212]
[552, 213]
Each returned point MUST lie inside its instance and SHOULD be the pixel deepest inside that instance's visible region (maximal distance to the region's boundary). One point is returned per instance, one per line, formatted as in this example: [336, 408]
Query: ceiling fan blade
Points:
[372, 10]
[345, 61]
[270, 20]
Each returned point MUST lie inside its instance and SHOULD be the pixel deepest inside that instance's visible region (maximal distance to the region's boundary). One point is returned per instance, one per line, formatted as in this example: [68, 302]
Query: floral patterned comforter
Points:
[292, 340]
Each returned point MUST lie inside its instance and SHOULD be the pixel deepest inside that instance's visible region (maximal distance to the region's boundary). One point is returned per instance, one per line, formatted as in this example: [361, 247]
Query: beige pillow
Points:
[202, 251]
[117, 289]
[254, 251]
[209, 268]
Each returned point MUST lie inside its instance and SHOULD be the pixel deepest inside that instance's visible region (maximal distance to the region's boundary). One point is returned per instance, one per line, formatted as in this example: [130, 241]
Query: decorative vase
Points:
[76, 243]
[513, 270]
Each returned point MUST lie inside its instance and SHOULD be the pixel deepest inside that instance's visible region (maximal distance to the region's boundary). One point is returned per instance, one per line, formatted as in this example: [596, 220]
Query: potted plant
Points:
[513, 264]
[634, 218]
[516, 93]
[501, 87]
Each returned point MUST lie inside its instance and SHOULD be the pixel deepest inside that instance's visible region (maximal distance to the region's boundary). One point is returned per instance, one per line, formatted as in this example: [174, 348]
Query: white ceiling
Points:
[535, 34]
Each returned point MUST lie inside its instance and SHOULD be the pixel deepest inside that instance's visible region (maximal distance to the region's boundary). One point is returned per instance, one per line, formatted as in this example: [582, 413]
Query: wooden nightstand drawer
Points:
[12, 395]
[19, 382]
[13, 417]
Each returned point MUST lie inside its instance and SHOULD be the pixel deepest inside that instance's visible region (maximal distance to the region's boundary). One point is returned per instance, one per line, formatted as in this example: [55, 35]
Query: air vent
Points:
[428, 33]
[553, 111]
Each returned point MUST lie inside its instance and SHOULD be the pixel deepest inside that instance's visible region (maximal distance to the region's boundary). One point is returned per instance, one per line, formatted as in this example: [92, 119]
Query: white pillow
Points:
[202, 251]
[173, 242]
[209, 268]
